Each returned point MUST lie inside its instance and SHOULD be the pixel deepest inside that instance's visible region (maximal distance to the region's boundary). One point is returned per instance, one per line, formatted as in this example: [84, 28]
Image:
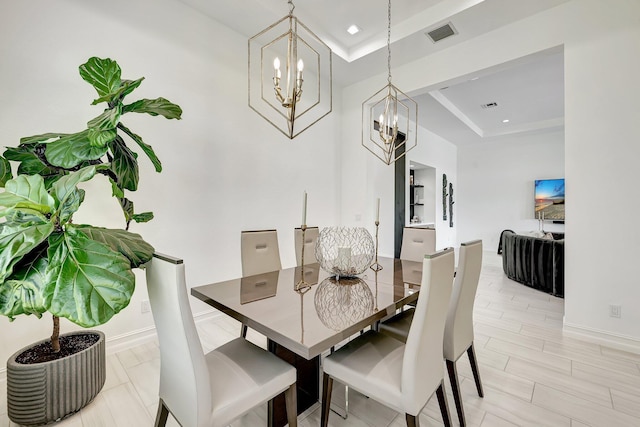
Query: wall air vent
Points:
[490, 105]
[442, 32]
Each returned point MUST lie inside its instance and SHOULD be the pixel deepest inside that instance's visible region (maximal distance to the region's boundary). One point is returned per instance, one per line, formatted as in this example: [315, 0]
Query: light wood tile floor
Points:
[532, 374]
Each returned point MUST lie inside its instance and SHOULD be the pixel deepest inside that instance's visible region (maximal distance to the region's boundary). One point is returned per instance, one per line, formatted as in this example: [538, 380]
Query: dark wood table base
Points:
[308, 384]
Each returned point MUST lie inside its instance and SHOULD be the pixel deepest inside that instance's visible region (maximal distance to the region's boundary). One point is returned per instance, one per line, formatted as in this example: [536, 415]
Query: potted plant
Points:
[77, 271]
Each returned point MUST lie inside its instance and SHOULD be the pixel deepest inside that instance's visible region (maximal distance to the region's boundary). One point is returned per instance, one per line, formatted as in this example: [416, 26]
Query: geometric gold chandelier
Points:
[389, 117]
[290, 76]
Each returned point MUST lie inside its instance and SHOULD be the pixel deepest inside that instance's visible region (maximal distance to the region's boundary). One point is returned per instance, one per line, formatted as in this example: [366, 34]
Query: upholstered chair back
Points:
[416, 242]
[422, 368]
[260, 252]
[458, 333]
[184, 376]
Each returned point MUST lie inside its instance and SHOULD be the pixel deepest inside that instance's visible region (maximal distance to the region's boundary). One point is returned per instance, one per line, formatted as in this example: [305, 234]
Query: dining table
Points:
[305, 311]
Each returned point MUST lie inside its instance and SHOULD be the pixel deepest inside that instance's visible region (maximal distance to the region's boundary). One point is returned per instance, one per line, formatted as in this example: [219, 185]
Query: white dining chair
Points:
[400, 375]
[310, 238]
[416, 242]
[210, 389]
[259, 253]
[458, 332]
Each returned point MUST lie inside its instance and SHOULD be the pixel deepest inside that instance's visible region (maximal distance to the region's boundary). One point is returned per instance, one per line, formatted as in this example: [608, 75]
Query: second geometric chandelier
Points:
[389, 117]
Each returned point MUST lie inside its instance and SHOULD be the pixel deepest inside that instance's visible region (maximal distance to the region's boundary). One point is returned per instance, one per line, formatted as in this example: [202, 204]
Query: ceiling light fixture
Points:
[505, 121]
[353, 29]
[389, 124]
[282, 58]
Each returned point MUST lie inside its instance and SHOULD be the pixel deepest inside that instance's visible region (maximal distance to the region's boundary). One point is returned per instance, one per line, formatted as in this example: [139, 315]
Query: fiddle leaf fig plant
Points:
[47, 262]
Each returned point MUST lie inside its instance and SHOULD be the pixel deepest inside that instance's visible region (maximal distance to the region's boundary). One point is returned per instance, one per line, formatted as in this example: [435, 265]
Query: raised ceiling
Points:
[529, 93]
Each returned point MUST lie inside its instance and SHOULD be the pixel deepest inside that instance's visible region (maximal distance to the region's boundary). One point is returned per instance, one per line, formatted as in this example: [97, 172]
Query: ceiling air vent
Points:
[490, 105]
[440, 33]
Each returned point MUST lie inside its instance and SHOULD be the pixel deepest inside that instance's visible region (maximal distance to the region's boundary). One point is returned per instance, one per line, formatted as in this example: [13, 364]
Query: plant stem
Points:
[55, 336]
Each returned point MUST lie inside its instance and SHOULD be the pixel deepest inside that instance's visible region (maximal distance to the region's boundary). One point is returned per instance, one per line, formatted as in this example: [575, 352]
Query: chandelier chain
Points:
[291, 7]
[389, 42]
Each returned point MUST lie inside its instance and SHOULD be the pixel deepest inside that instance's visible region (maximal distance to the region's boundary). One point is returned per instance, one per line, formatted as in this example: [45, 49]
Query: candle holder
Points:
[301, 285]
[376, 265]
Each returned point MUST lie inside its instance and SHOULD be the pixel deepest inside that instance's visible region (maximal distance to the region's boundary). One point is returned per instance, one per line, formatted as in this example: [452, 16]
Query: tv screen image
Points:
[549, 196]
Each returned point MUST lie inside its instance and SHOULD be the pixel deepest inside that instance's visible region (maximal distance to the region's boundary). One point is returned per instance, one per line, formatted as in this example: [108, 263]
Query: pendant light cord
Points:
[291, 7]
[389, 42]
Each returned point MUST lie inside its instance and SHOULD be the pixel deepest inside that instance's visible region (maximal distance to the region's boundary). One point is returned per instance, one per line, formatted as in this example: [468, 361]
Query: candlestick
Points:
[302, 284]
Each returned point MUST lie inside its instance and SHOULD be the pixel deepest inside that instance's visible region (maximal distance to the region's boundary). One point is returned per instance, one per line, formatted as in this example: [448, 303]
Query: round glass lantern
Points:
[345, 251]
[340, 303]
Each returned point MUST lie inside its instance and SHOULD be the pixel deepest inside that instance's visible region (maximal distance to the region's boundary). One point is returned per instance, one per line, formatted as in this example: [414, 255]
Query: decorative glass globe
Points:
[345, 251]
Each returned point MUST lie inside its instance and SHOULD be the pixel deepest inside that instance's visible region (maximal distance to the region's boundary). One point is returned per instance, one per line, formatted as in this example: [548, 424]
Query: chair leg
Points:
[243, 331]
[455, 388]
[162, 414]
[412, 420]
[444, 407]
[474, 368]
[327, 386]
[291, 402]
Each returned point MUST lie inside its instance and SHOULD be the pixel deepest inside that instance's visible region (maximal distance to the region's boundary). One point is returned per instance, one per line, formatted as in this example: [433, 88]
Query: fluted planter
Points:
[44, 392]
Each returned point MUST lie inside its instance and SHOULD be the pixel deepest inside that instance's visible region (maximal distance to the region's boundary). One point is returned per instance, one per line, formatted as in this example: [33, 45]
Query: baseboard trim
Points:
[132, 339]
[598, 336]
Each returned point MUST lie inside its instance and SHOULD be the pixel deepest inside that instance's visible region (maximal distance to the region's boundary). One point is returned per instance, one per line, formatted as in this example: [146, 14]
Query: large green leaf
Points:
[22, 293]
[124, 165]
[158, 106]
[127, 208]
[108, 119]
[126, 87]
[142, 217]
[129, 244]
[17, 240]
[5, 171]
[30, 163]
[102, 74]
[101, 138]
[71, 205]
[102, 129]
[91, 281]
[28, 194]
[148, 150]
[66, 185]
[71, 150]
[42, 139]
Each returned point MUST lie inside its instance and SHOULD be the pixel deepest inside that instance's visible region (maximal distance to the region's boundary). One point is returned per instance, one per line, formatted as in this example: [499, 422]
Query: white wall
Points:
[496, 181]
[225, 168]
[602, 63]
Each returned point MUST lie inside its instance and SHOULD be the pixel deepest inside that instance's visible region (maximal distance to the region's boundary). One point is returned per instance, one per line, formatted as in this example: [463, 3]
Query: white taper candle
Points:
[304, 209]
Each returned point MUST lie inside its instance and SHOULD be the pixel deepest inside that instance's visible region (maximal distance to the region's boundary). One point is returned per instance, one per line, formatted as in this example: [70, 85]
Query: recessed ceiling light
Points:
[353, 29]
[505, 121]
[474, 78]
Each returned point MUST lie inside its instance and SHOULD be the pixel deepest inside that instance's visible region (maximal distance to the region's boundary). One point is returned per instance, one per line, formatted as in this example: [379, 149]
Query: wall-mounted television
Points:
[549, 197]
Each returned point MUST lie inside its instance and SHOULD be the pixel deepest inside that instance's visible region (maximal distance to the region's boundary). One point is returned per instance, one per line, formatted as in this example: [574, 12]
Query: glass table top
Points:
[315, 317]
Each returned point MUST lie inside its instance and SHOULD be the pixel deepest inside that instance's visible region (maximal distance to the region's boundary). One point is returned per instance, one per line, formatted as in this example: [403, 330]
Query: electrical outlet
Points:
[615, 310]
[145, 307]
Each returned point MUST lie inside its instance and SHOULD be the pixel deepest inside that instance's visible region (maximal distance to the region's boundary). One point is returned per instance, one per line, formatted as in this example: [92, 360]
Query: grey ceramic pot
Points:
[45, 392]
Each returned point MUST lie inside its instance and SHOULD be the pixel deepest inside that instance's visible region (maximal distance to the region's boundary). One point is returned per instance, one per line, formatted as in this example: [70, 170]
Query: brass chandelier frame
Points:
[383, 137]
[279, 102]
